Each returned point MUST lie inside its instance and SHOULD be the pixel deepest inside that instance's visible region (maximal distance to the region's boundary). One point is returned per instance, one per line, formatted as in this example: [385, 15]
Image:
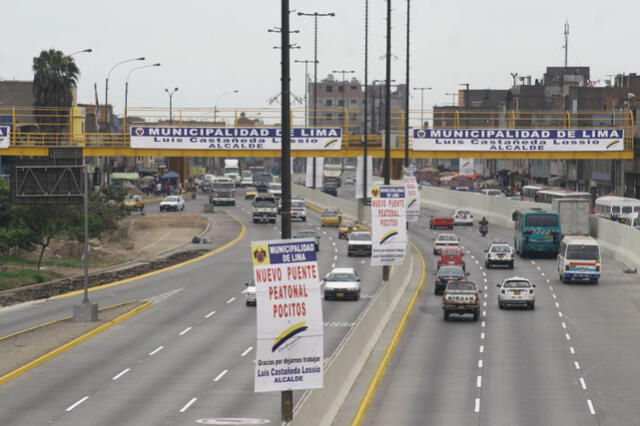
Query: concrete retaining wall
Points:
[320, 406]
[617, 240]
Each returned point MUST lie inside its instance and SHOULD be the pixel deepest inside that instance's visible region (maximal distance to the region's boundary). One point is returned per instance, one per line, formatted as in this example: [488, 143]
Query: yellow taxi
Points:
[134, 202]
[330, 217]
[250, 193]
[345, 228]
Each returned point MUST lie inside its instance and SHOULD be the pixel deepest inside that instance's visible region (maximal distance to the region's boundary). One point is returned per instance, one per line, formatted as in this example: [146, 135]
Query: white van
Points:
[616, 208]
[492, 192]
[579, 259]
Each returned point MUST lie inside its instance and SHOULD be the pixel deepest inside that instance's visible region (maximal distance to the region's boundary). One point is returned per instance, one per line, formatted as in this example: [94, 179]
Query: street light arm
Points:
[224, 94]
[143, 66]
[142, 58]
[80, 51]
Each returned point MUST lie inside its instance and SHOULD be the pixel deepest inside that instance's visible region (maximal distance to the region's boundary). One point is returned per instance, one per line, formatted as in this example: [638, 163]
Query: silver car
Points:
[444, 240]
[341, 283]
[516, 291]
[250, 293]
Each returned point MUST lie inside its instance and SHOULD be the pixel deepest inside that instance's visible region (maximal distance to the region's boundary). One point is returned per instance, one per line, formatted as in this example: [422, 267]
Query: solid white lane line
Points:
[120, 374]
[71, 407]
[221, 375]
[591, 409]
[246, 351]
[481, 335]
[188, 404]
[577, 365]
[210, 314]
[481, 348]
[573, 351]
[567, 336]
[479, 363]
[583, 384]
[477, 407]
[564, 325]
[156, 350]
[479, 382]
[560, 314]
[185, 331]
[231, 300]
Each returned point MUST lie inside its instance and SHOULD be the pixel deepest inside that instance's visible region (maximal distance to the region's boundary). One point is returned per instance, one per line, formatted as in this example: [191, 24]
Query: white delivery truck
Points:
[574, 215]
[232, 170]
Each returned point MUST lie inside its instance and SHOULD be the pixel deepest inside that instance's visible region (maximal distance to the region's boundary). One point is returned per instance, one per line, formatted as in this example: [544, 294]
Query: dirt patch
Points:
[19, 349]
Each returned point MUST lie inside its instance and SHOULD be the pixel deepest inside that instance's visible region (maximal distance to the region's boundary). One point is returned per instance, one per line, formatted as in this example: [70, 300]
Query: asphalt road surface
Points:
[189, 356]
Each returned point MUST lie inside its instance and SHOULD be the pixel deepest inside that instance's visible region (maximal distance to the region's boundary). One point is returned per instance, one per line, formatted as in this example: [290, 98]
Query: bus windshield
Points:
[538, 219]
[583, 252]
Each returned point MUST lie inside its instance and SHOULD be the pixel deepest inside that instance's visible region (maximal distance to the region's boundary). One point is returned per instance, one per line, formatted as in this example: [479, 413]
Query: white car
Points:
[246, 181]
[444, 240]
[499, 254]
[516, 291]
[172, 202]
[359, 243]
[250, 293]
[341, 283]
[298, 209]
[462, 217]
[275, 189]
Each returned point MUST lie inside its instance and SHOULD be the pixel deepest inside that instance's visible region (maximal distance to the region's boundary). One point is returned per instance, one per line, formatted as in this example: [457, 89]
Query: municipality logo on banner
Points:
[290, 331]
[5, 135]
[388, 225]
[412, 201]
[233, 138]
[518, 140]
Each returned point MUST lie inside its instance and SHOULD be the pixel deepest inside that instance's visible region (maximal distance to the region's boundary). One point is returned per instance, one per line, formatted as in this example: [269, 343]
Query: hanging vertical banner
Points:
[412, 193]
[360, 175]
[388, 225]
[467, 166]
[308, 178]
[290, 352]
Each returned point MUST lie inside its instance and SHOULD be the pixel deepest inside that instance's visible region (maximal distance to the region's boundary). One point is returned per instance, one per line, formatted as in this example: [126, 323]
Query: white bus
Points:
[528, 192]
[548, 195]
[616, 208]
[579, 259]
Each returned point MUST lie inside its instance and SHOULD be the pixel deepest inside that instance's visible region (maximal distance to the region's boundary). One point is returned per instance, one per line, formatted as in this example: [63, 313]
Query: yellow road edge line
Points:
[397, 335]
[75, 342]
[240, 236]
[44, 324]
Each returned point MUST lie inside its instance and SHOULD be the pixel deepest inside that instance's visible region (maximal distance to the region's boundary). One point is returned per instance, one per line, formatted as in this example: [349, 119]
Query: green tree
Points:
[44, 223]
[55, 77]
[104, 215]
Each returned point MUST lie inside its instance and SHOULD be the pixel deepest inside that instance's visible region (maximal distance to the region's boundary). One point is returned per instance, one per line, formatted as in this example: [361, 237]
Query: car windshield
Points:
[447, 238]
[298, 204]
[251, 189]
[275, 186]
[341, 276]
[226, 186]
[541, 219]
[463, 212]
[461, 285]
[501, 249]
[171, 199]
[360, 236]
[449, 252]
[347, 224]
[516, 284]
[450, 270]
[583, 252]
[329, 213]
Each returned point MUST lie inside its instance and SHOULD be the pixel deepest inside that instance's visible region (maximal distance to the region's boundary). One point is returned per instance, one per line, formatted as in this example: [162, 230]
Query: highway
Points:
[572, 361]
[189, 356]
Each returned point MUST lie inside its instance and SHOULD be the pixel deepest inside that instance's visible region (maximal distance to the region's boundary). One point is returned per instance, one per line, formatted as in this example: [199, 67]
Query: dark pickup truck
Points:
[461, 297]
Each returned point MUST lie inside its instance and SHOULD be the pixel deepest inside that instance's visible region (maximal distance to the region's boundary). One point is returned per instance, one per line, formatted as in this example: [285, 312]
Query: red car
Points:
[441, 222]
[451, 256]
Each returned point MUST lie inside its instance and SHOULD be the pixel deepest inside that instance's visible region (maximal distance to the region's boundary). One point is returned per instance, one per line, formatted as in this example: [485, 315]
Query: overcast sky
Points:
[210, 47]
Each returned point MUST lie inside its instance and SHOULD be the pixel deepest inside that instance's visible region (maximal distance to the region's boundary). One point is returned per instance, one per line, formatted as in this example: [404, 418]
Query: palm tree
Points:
[55, 77]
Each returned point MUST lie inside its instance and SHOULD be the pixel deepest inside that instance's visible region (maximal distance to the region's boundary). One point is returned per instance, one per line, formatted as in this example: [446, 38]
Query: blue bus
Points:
[536, 232]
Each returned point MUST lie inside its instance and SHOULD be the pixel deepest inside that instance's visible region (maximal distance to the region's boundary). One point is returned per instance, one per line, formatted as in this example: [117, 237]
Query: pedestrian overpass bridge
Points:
[33, 131]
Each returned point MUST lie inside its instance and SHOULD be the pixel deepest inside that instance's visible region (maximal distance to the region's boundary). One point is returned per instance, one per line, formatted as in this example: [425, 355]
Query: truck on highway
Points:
[574, 215]
[265, 208]
[261, 181]
[223, 191]
[461, 297]
[232, 170]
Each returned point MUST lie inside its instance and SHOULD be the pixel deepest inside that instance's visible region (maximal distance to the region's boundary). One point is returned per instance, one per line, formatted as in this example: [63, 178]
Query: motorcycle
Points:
[484, 228]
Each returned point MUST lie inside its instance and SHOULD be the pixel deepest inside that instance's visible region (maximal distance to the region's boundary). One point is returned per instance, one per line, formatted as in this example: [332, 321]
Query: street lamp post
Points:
[387, 120]
[107, 120]
[126, 90]
[365, 142]
[80, 51]
[215, 107]
[171, 92]
[306, 88]
[453, 98]
[344, 92]
[422, 90]
[467, 101]
[406, 90]
[315, 16]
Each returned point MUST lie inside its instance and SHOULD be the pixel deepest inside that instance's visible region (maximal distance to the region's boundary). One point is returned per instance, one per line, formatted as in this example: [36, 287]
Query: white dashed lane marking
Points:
[591, 409]
[74, 405]
[120, 374]
[577, 364]
[583, 384]
[221, 375]
[185, 331]
[231, 300]
[188, 404]
[209, 314]
[477, 406]
[156, 350]
[246, 351]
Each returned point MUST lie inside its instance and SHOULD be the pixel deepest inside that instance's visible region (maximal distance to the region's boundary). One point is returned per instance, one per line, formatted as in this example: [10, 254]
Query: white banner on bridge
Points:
[308, 178]
[529, 140]
[5, 137]
[360, 175]
[412, 194]
[289, 353]
[233, 138]
[388, 225]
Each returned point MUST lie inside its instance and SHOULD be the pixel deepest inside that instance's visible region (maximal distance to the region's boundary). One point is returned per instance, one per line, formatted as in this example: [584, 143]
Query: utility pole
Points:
[315, 16]
[566, 43]
[467, 102]
[422, 90]
[406, 90]
[387, 120]
[306, 88]
[170, 93]
[365, 141]
[344, 95]
[285, 166]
